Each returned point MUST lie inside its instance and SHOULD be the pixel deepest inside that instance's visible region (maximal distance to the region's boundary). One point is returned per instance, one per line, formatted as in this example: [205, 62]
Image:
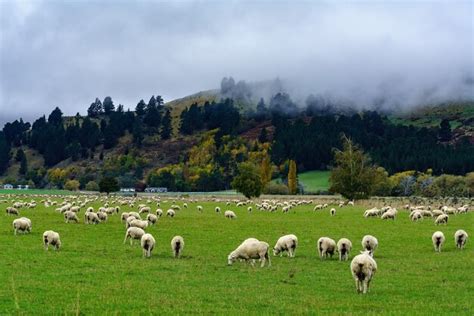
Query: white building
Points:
[8, 186]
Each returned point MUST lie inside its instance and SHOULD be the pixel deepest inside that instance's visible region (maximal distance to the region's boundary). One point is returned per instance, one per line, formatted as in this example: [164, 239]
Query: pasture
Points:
[95, 273]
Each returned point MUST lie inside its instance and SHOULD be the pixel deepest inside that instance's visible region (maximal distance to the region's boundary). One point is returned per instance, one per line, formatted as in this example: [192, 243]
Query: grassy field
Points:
[95, 273]
[314, 181]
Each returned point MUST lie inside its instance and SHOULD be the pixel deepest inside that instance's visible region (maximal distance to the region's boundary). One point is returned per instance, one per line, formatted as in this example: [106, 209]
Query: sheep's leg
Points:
[15, 231]
[357, 285]
[365, 285]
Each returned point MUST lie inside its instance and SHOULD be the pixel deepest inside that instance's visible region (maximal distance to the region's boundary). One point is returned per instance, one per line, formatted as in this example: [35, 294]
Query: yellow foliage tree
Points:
[292, 180]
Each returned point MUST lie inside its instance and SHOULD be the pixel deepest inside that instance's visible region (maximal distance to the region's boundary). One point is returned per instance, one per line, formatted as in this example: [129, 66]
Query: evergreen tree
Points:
[166, 127]
[23, 165]
[4, 153]
[108, 105]
[152, 117]
[261, 111]
[248, 181]
[140, 108]
[95, 109]
[20, 154]
[137, 133]
[108, 184]
[263, 137]
[292, 178]
[56, 117]
[444, 131]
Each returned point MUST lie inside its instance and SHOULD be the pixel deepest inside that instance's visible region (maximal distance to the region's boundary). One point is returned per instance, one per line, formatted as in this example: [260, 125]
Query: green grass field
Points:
[95, 273]
[314, 181]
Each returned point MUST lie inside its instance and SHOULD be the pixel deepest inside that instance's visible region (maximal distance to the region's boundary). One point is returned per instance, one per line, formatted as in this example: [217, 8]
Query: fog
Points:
[401, 54]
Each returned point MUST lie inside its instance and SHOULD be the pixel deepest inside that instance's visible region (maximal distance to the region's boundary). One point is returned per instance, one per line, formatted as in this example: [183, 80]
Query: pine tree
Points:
[140, 108]
[292, 179]
[166, 127]
[23, 165]
[263, 137]
[108, 105]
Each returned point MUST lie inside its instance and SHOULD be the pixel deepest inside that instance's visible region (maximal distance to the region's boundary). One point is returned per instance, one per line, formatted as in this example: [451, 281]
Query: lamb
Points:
[249, 209]
[438, 240]
[199, 208]
[145, 209]
[442, 219]
[344, 247]
[286, 243]
[102, 216]
[12, 211]
[389, 214]
[363, 268]
[22, 224]
[415, 216]
[250, 249]
[230, 214]
[152, 219]
[91, 217]
[51, 238]
[148, 244]
[177, 245]
[318, 207]
[138, 223]
[159, 212]
[217, 209]
[124, 216]
[170, 213]
[370, 243]
[460, 238]
[372, 212]
[133, 233]
[332, 211]
[326, 247]
[134, 215]
[75, 209]
[70, 216]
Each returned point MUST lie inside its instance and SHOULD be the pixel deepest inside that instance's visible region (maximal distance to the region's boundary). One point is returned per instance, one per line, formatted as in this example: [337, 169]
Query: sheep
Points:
[460, 238]
[75, 209]
[332, 211]
[438, 240]
[12, 211]
[152, 219]
[133, 233]
[344, 247]
[372, 212]
[351, 203]
[370, 243]
[138, 223]
[51, 238]
[124, 216]
[177, 245]
[145, 209]
[102, 216]
[159, 212]
[442, 219]
[326, 247]
[230, 214]
[318, 207]
[22, 224]
[134, 215]
[185, 205]
[415, 216]
[70, 216]
[250, 249]
[91, 217]
[170, 213]
[217, 209]
[148, 244]
[249, 209]
[199, 208]
[389, 214]
[286, 243]
[363, 268]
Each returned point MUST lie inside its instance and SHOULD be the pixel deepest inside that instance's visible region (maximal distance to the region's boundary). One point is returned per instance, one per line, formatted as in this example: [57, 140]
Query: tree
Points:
[4, 152]
[444, 133]
[23, 165]
[108, 184]
[292, 179]
[263, 137]
[92, 186]
[248, 181]
[265, 170]
[353, 175]
[95, 109]
[166, 127]
[140, 108]
[56, 117]
[72, 185]
[20, 154]
[108, 105]
[137, 133]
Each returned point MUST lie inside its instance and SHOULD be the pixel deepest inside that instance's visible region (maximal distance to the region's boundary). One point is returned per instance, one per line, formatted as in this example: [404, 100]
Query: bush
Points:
[92, 186]
[72, 185]
[275, 188]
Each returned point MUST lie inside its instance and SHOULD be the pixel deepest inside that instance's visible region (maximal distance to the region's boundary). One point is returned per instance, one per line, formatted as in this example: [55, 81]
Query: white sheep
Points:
[326, 247]
[138, 223]
[134, 215]
[438, 240]
[363, 268]
[460, 238]
[102, 216]
[249, 209]
[152, 219]
[133, 233]
[389, 214]
[91, 217]
[148, 244]
[230, 214]
[159, 212]
[442, 219]
[170, 213]
[286, 243]
[124, 216]
[415, 216]
[370, 243]
[51, 238]
[145, 209]
[12, 211]
[70, 216]
[217, 209]
[251, 249]
[332, 211]
[344, 247]
[372, 212]
[199, 208]
[22, 224]
[177, 246]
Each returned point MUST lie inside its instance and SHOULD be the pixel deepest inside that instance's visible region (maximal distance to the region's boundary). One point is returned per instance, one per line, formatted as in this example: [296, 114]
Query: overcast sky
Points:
[66, 53]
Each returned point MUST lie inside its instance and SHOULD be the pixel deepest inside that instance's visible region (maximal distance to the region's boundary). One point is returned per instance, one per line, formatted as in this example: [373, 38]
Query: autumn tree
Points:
[292, 179]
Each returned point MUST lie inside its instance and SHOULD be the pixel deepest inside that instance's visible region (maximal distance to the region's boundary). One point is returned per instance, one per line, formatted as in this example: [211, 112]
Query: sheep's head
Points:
[367, 252]
[276, 251]
[231, 258]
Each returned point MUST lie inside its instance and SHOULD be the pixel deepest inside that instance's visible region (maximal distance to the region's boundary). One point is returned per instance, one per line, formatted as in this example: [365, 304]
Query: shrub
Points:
[92, 186]
[72, 185]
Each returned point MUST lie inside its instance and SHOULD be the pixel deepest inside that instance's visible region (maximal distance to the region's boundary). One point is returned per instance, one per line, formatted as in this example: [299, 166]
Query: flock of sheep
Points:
[363, 266]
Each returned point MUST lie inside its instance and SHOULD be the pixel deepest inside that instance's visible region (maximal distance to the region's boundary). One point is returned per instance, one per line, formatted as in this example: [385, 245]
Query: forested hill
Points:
[196, 143]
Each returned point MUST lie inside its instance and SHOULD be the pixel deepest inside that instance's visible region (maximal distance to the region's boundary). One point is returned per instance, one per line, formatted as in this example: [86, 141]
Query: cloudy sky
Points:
[66, 53]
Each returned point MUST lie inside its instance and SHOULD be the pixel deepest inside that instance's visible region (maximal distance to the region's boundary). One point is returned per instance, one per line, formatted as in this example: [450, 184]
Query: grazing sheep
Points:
[138, 223]
[389, 214]
[177, 245]
[250, 249]
[351, 203]
[230, 214]
[102, 216]
[333, 212]
[91, 217]
[152, 219]
[372, 212]
[148, 244]
[415, 216]
[22, 224]
[217, 209]
[75, 209]
[134, 215]
[199, 208]
[185, 205]
[70, 216]
[438, 240]
[124, 216]
[249, 209]
[133, 233]
[286, 243]
[318, 207]
[145, 209]
[460, 238]
[442, 219]
[370, 243]
[170, 213]
[159, 212]
[344, 247]
[12, 211]
[326, 247]
[51, 238]
[363, 268]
